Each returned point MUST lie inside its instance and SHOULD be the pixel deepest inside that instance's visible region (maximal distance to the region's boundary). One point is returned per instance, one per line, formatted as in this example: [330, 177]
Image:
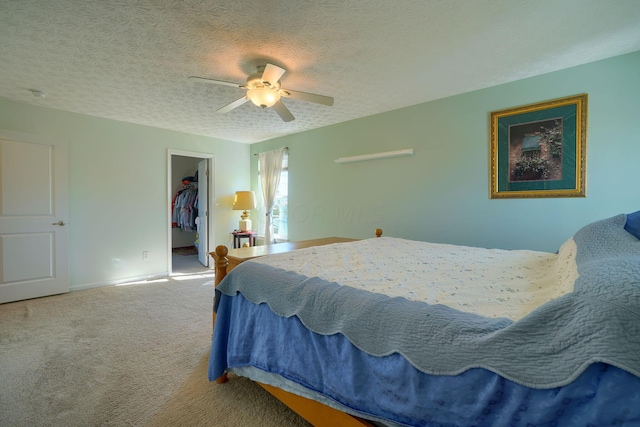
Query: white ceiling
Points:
[129, 59]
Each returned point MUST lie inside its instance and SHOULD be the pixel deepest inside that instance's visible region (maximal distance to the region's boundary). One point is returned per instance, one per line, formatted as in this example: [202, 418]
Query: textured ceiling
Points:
[129, 59]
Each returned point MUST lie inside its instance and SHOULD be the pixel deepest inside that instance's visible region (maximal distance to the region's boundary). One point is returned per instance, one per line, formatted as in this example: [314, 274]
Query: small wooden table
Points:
[237, 256]
[239, 235]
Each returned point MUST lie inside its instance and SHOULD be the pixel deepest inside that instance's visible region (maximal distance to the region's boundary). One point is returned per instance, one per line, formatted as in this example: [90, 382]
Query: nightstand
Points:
[239, 235]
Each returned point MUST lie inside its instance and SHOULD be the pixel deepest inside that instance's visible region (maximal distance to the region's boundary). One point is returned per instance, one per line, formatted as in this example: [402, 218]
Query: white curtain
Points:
[270, 164]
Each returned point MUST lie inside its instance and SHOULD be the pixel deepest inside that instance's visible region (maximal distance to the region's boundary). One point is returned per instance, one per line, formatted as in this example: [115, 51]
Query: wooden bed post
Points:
[220, 256]
[221, 264]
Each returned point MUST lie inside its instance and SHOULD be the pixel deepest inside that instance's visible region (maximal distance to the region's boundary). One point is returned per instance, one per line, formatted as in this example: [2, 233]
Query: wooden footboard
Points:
[316, 413]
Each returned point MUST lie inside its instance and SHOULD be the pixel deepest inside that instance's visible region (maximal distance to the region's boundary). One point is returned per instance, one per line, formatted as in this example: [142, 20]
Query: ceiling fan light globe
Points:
[263, 97]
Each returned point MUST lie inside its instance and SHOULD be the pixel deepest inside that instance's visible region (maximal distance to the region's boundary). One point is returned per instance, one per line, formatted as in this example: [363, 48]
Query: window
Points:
[280, 205]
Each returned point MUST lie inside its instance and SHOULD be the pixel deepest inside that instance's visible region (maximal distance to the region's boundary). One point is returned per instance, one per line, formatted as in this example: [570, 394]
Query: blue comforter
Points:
[253, 342]
[598, 322]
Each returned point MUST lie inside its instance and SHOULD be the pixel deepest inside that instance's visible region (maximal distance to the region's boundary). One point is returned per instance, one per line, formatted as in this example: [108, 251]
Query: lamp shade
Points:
[244, 201]
[263, 96]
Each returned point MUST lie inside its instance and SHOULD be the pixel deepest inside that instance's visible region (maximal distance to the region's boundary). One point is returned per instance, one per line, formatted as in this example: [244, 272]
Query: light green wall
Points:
[118, 176]
[118, 196]
[440, 193]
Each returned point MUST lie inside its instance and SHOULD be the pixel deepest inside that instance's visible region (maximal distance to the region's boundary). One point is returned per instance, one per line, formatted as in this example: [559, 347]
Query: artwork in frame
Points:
[539, 150]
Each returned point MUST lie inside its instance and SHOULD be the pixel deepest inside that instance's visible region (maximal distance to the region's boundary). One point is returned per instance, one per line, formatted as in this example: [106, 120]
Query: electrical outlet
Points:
[145, 256]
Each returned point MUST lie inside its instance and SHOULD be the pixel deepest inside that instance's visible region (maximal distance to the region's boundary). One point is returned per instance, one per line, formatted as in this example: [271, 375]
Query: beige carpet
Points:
[133, 355]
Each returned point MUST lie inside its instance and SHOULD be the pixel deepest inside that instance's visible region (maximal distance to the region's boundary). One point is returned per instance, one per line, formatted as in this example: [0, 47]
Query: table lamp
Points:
[244, 201]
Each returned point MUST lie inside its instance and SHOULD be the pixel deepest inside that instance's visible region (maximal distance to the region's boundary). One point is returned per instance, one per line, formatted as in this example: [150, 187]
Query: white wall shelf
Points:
[375, 156]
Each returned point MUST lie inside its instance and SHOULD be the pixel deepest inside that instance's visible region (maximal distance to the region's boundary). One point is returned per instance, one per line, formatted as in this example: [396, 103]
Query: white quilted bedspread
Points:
[488, 282]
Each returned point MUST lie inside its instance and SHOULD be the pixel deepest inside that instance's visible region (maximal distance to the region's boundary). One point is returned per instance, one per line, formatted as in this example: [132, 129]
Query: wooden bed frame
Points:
[316, 413]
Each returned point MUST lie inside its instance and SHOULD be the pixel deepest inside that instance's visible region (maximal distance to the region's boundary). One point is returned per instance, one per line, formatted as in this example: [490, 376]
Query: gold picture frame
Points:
[539, 150]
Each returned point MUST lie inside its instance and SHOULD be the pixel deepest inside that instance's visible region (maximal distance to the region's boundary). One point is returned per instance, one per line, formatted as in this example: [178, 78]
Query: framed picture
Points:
[539, 150]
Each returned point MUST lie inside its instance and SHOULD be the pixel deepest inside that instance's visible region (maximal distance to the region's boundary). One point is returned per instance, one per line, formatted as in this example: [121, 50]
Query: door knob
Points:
[61, 223]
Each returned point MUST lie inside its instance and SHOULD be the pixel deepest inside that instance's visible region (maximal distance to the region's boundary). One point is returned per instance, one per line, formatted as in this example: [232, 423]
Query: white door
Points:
[33, 218]
[203, 214]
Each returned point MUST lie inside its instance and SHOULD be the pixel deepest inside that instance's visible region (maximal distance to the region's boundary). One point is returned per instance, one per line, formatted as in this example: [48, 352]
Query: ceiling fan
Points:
[263, 89]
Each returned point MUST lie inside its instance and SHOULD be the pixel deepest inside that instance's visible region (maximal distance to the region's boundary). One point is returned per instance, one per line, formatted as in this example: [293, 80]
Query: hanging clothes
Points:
[185, 208]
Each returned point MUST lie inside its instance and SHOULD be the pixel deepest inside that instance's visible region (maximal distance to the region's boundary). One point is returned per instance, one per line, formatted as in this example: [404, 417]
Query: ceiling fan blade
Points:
[272, 74]
[304, 96]
[283, 111]
[234, 104]
[216, 82]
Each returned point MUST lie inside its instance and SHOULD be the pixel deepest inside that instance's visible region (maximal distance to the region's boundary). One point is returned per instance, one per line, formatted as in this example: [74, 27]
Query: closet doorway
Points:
[190, 189]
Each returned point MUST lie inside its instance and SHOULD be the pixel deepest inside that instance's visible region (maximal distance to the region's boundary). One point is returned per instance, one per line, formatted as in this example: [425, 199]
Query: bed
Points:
[401, 333]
